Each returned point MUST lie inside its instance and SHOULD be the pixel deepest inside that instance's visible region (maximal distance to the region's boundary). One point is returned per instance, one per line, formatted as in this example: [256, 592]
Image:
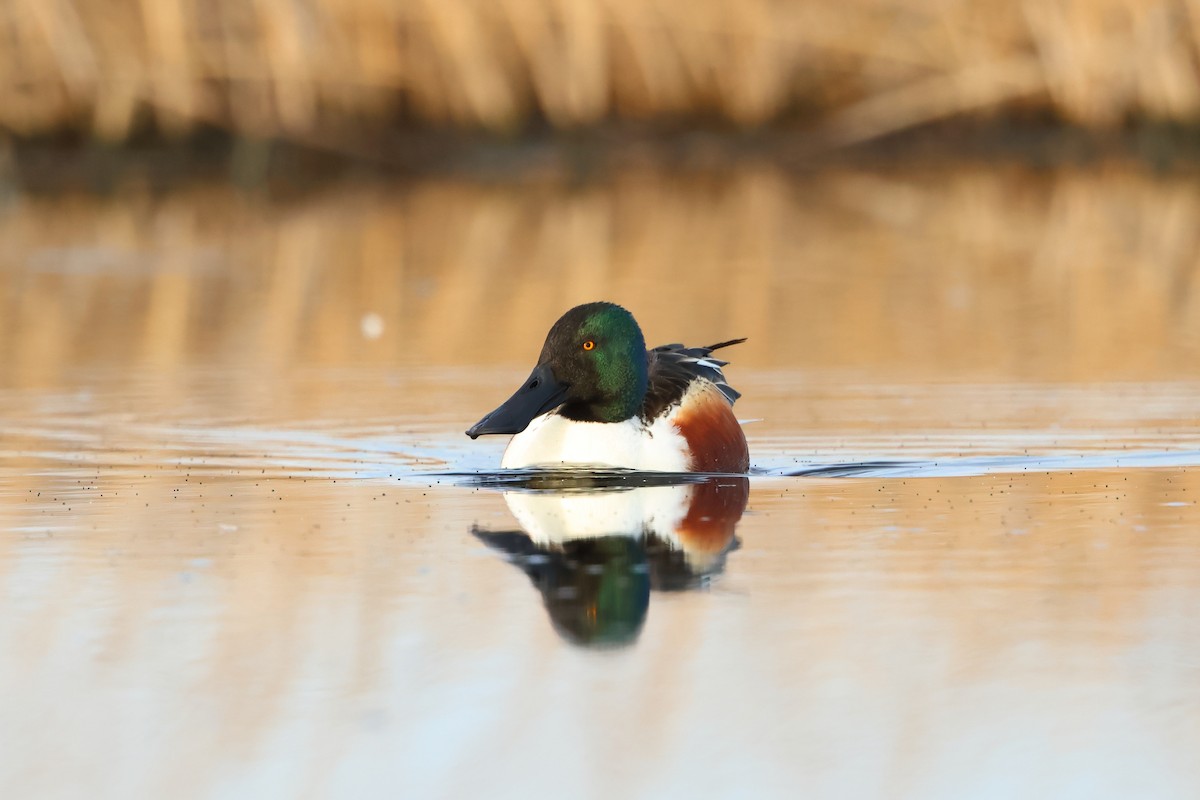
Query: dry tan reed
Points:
[325, 68]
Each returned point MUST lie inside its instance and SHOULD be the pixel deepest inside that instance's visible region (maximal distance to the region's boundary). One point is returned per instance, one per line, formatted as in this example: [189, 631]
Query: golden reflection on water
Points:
[980, 274]
[221, 577]
[1029, 629]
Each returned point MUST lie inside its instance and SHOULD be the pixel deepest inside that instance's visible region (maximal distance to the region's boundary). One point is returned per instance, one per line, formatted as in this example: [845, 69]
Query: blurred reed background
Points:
[332, 70]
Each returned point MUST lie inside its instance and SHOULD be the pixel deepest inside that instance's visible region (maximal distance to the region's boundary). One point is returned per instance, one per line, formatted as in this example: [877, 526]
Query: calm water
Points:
[246, 550]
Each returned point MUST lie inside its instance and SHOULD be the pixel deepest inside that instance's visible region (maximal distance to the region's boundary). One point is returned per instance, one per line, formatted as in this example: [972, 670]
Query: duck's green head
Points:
[597, 351]
[592, 368]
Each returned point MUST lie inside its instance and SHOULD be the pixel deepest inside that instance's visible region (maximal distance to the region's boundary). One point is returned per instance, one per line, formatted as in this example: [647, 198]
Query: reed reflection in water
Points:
[970, 274]
[916, 638]
[221, 574]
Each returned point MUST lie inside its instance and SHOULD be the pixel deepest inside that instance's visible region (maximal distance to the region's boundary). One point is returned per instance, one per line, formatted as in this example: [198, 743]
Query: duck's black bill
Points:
[540, 393]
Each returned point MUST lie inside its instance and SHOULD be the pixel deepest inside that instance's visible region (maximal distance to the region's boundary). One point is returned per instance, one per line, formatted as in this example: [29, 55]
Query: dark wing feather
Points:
[672, 368]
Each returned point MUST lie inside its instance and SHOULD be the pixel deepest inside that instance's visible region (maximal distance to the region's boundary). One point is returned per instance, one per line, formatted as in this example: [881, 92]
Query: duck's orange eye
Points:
[589, 344]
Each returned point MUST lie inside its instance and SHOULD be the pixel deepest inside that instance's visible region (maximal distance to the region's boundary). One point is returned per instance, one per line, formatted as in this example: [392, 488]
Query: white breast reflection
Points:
[596, 555]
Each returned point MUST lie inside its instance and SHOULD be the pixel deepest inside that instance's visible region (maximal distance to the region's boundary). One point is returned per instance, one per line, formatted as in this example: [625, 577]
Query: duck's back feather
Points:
[672, 369]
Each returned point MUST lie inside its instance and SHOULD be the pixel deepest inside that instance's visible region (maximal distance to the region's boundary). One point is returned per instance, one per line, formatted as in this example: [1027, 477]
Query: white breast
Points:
[554, 441]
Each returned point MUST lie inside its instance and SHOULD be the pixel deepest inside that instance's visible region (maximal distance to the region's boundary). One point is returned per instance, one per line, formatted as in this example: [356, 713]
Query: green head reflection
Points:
[597, 591]
[595, 553]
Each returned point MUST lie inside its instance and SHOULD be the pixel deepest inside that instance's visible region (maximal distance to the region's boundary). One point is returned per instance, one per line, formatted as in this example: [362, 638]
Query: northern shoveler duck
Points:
[597, 397]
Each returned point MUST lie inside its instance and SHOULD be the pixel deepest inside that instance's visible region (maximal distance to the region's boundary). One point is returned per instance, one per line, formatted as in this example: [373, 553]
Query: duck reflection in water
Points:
[596, 553]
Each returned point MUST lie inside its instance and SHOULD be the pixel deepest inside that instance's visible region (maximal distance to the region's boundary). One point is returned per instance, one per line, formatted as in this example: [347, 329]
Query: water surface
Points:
[245, 548]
